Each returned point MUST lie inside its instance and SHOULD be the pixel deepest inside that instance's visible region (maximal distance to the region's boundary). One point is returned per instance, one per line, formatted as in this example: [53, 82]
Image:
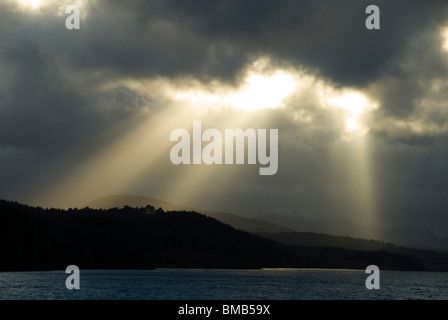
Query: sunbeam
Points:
[354, 174]
[192, 179]
[117, 165]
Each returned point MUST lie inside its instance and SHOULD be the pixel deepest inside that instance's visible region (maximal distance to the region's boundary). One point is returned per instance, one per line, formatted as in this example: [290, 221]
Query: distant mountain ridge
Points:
[237, 222]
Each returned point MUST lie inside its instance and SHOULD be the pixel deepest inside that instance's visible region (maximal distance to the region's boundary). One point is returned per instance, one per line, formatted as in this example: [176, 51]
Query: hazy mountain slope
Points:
[434, 260]
[402, 235]
[237, 222]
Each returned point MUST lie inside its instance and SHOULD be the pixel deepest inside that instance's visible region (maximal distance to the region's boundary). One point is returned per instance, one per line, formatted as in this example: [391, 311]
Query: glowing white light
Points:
[258, 92]
[32, 3]
[445, 39]
[263, 92]
[355, 104]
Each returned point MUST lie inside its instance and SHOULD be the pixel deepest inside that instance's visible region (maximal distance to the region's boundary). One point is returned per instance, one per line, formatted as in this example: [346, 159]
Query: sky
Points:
[362, 115]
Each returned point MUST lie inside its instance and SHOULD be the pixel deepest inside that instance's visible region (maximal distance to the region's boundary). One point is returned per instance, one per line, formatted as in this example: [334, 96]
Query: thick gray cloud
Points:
[326, 36]
[211, 39]
[62, 91]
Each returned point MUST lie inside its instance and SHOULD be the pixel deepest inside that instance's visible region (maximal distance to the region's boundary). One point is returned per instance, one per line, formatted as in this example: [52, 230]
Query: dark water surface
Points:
[188, 284]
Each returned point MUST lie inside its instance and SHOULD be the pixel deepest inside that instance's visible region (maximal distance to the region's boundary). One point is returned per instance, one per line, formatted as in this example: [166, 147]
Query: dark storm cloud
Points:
[141, 40]
[216, 38]
[420, 67]
[326, 36]
[209, 39]
[39, 110]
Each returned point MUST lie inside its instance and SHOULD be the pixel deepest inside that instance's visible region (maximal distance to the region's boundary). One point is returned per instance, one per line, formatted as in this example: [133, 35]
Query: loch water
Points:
[213, 284]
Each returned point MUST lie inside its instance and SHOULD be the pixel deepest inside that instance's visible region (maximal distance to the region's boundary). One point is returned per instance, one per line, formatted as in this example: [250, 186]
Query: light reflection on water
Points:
[191, 284]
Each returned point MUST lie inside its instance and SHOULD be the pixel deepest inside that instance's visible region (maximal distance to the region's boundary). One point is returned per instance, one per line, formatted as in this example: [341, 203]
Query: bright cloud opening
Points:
[355, 104]
[259, 91]
[32, 3]
[445, 39]
[263, 92]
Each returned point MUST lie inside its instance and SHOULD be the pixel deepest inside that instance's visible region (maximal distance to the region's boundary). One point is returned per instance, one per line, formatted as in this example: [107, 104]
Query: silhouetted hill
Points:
[239, 223]
[120, 201]
[134, 238]
[433, 260]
